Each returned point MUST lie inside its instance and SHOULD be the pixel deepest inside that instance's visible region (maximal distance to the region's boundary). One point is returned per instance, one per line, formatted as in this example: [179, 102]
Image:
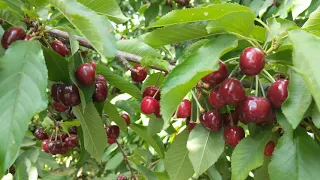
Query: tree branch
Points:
[127, 162]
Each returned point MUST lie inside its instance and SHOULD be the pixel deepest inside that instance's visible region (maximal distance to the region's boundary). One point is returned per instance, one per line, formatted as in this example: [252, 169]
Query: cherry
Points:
[70, 114]
[218, 76]
[215, 98]
[59, 107]
[157, 113]
[126, 117]
[239, 114]
[140, 75]
[122, 177]
[212, 120]
[231, 91]
[59, 47]
[251, 61]
[184, 109]
[151, 91]
[54, 92]
[64, 149]
[44, 145]
[255, 109]
[233, 135]
[62, 136]
[101, 79]
[54, 147]
[71, 141]
[73, 130]
[86, 74]
[40, 134]
[192, 125]
[11, 35]
[113, 133]
[149, 105]
[94, 64]
[100, 92]
[68, 94]
[227, 118]
[278, 93]
[268, 150]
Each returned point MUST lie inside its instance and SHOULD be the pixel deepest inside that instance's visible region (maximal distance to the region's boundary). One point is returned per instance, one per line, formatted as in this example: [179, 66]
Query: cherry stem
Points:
[263, 24]
[230, 115]
[314, 129]
[257, 85]
[269, 75]
[126, 160]
[155, 94]
[197, 101]
[231, 59]
[261, 88]
[234, 70]
[243, 77]
[157, 80]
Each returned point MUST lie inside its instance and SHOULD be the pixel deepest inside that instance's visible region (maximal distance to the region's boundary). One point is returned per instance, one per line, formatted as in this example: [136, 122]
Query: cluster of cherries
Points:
[59, 144]
[11, 35]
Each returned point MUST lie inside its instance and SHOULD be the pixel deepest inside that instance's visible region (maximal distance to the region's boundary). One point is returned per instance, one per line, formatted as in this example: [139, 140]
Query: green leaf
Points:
[147, 173]
[152, 79]
[299, 6]
[259, 33]
[118, 81]
[282, 120]
[179, 83]
[199, 14]
[299, 100]
[213, 173]
[23, 80]
[262, 173]
[284, 8]
[106, 7]
[313, 23]
[155, 125]
[26, 170]
[177, 162]
[114, 115]
[12, 18]
[74, 44]
[279, 27]
[249, 154]
[152, 61]
[297, 157]
[305, 49]
[46, 159]
[153, 141]
[204, 147]
[84, 20]
[95, 138]
[316, 116]
[137, 47]
[114, 162]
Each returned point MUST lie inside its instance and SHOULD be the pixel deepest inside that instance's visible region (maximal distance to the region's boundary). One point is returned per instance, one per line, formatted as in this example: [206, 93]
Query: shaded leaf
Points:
[316, 116]
[152, 61]
[155, 125]
[114, 115]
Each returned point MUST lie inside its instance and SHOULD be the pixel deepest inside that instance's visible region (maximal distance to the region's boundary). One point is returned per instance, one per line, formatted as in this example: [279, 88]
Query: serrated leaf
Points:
[23, 80]
[282, 120]
[12, 18]
[95, 138]
[114, 162]
[74, 44]
[262, 173]
[299, 6]
[177, 162]
[259, 33]
[137, 47]
[279, 27]
[152, 61]
[46, 159]
[204, 147]
[249, 154]
[152, 79]
[84, 19]
[284, 8]
[114, 115]
[297, 157]
[299, 100]
[178, 83]
[155, 125]
[313, 23]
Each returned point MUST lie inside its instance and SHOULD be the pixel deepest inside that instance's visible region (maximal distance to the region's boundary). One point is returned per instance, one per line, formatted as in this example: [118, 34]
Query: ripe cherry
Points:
[122, 177]
[212, 120]
[11, 35]
[54, 147]
[126, 117]
[233, 135]
[227, 118]
[268, 150]
[94, 64]
[59, 107]
[64, 149]
[73, 130]
[113, 133]
[59, 47]
[54, 92]
[215, 98]
[218, 76]
[252, 61]
[278, 93]
[71, 141]
[101, 79]
[231, 91]
[140, 75]
[100, 92]
[44, 145]
[86, 74]
[157, 113]
[255, 109]
[149, 105]
[184, 109]
[68, 94]
[191, 126]
[40, 134]
[151, 91]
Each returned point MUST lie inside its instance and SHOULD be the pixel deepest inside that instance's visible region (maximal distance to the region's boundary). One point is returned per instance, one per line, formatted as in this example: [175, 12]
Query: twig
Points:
[151, 165]
[127, 162]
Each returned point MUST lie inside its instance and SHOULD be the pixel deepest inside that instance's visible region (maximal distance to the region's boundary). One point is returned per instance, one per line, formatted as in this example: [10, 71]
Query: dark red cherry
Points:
[54, 92]
[227, 118]
[59, 107]
[191, 126]
[158, 113]
[44, 145]
[184, 109]
[113, 133]
[122, 177]
[54, 147]
[59, 47]
[64, 149]
[149, 105]
[62, 136]
[101, 79]
[140, 75]
[73, 130]
[218, 76]
[255, 109]
[100, 92]
[126, 117]
[240, 115]
[86, 74]
[278, 93]
[11, 35]
[94, 64]
[252, 61]
[268, 150]
[151, 91]
[68, 95]
[40, 134]
[212, 120]
[70, 114]
[111, 140]
[71, 141]
[231, 91]
[215, 98]
[233, 135]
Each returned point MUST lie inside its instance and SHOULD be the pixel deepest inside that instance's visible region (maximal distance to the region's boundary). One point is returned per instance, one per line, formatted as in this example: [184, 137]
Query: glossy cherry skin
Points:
[233, 135]
[100, 92]
[269, 148]
[54, 92]
[212, 120]
[252, 61]
[59, 107]
[227, 118]
[126, 117]
[59, 47]
[140, 75]
[149, 105]
[218, 76]
[40, 134]
[122, 177]
[184, 109]
[231, 91]
[71, 141]
[256, 109]
[215, 98]
[68, 95]
[73, 130]
[11, 35]
[151, 91]
[278, 93]
[86, 74]
[54, 147]
[44, 145]
[101, 79]
[113, 133]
